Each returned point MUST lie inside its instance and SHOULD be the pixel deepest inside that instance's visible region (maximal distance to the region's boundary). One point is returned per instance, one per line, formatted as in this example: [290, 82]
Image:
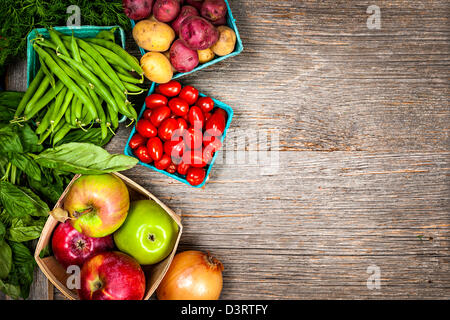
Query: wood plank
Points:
[311, 230]
[363, 123]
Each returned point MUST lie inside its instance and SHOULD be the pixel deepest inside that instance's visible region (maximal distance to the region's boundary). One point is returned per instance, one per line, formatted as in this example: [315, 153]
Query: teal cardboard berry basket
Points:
[217, 104]
[231, 22]
[33, 64]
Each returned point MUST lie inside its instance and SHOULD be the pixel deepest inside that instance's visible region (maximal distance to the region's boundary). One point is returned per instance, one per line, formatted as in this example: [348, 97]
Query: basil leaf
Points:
[93, 135]
[27, 165]
[11, 290]
[9, 141]
[10, 99]
[22, 271]
[84, 158]
[29, 139]
[2, 231]
[48, 189]
[20, 231]
[3, 163]
[6, 113]
[5, 259]
[20, 201]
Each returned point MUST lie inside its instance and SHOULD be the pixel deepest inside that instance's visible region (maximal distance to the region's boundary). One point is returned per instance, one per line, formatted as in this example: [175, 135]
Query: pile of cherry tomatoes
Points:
[179, 132]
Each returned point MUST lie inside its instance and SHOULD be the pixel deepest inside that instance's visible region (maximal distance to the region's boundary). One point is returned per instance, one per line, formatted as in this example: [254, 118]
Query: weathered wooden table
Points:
[363, 183]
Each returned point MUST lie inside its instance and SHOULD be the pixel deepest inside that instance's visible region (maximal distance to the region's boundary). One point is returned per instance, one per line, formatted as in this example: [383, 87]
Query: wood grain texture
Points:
[364, 161]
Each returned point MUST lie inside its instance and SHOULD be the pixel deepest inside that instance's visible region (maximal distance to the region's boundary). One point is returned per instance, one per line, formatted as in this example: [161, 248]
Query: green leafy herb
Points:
[25, 229]
[20, 201]
[17, 283]
[31, 179]
[5, 259]
[84, 158]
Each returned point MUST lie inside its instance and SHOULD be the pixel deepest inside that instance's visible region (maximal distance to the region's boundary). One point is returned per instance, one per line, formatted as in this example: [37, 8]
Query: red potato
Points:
[197, 4]
[214, 10]
[186, 11]
[137, 9]
[166, 10]
[198, 33]
[182, 58]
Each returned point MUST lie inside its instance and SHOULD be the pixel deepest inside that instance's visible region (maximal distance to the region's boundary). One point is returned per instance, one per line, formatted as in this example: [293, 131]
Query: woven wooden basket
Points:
[57, 275]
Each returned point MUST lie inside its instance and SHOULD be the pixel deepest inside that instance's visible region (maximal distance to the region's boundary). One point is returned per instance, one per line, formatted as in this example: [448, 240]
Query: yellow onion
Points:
[193, 275]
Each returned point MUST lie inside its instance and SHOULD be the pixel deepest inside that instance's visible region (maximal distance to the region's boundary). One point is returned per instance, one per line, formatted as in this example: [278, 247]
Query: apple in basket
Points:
[71, 247]
[96, 205]
[112, 276]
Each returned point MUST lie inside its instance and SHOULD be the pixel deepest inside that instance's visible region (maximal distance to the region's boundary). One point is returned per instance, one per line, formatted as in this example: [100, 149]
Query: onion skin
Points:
[193, 275]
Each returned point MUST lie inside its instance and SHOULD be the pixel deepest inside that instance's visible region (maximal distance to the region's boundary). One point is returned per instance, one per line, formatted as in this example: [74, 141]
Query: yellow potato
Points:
[153, 35]
[205, 55]
[167, 54]
[156, 67]
[227, 41]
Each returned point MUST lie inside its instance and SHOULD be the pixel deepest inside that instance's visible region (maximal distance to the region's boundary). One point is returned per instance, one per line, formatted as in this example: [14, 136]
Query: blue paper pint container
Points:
[217, 104]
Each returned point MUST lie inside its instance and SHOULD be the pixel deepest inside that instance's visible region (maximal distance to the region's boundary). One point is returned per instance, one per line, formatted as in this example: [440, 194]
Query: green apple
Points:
[148, 234]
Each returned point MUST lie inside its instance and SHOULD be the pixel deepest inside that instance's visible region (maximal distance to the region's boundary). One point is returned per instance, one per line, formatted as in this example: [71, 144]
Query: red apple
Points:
[73, 248]
[112, 276]
[97, 204]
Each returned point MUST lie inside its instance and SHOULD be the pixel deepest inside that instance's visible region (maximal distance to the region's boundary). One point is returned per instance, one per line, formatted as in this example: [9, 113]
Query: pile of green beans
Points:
[82, 82]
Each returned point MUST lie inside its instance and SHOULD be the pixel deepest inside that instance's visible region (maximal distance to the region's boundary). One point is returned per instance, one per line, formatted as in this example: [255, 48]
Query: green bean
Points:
[100, 112]
[131, 110]
[61, 133]
[112, 57]
[121, 70]
[46, 119]
[38, 94]
[30, 91]
[68, 113]
[70, 72]
[75, 49]
[107, 35]
[64, 108]
[46, 43]
[98, 85]
[95, 68]
[129, 79]
[121, 52]
[121, 105]
[45, 135]
[133, 89]
[73, 117]
[87, 118]
[47, 72]
[45, 100]
[57, 40]
[104, 130]
[113, 118]
[79, 110]
[67, 80]
[58, 106]
[104, 67]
